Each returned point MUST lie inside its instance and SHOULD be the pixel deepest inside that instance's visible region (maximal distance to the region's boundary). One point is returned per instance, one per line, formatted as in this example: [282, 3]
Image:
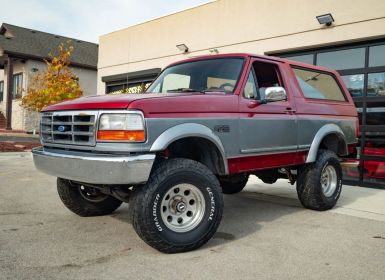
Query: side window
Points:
[318, 85]
[267, 75]
[250, 91]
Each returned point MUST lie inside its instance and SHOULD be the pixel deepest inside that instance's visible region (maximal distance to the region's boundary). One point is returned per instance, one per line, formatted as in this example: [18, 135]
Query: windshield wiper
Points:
[186, 90]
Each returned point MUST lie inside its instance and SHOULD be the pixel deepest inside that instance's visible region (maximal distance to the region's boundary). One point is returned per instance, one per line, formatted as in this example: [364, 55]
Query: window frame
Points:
[293, 66]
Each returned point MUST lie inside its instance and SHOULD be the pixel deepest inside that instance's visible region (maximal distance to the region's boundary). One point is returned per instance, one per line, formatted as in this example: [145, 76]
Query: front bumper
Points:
[94, 168]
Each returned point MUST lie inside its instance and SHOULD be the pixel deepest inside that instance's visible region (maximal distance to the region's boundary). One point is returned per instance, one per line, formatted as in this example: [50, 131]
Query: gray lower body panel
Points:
[94, 169]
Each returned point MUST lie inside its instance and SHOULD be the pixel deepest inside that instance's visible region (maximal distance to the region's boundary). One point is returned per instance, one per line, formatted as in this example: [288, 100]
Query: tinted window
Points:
[306, 58]
[318, 85]
[345, 59]
[377, 56]
[355, 84]
[376, 84]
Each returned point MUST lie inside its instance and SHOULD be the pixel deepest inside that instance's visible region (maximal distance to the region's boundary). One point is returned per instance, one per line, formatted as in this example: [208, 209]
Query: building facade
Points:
[353, 43]
[22, 54]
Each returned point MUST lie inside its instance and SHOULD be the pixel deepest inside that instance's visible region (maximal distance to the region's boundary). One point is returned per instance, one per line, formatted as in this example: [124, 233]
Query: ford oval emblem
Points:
[61, 128]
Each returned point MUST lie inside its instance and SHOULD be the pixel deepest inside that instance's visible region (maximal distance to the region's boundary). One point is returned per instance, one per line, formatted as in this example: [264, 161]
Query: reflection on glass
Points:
[355, 84]
[377, 56]
[345, 59]
[376, 84]
[306, 58]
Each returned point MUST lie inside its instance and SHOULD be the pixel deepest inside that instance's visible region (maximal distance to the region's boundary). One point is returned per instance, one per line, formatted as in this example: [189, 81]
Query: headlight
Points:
[121, 127]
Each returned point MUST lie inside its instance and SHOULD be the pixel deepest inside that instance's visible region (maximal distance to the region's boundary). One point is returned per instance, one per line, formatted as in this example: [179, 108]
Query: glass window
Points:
[345, 59]
[220, 74]
[127, 87]
[377, 56]
[173, 81]
[250, 90]
[318, 85]
[306, 58]
[355, 84]
[376, 84]
[17, 86]
[1, 91]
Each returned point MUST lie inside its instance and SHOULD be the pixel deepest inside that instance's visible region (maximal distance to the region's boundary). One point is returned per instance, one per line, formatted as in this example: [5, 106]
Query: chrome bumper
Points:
[95, 169]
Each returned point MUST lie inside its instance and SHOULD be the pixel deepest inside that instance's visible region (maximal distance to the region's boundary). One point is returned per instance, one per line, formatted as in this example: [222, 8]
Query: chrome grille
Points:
[69, 127]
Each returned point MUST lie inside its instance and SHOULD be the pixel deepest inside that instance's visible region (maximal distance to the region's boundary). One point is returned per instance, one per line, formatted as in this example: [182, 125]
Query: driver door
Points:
[268, 130]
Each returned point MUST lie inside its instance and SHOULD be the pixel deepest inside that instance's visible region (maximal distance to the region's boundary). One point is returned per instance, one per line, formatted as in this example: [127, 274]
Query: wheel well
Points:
[334, 142]
[198, 149]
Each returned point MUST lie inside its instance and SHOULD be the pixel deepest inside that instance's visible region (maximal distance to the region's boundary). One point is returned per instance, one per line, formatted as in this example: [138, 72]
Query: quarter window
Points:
[318, 85]
[250, 91]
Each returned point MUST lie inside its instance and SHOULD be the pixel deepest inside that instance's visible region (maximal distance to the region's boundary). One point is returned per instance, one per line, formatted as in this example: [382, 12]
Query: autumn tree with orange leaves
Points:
[56, 83]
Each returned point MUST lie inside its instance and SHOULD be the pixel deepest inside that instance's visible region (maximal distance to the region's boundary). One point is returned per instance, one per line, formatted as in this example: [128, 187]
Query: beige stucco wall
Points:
[238, 26]
[23, 119]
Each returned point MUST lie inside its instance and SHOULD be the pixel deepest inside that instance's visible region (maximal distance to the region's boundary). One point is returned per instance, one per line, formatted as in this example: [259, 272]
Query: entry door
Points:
[269, 128]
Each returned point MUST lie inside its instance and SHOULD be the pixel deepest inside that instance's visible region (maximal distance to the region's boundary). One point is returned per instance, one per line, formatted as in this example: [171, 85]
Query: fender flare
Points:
[185, 130]
[324, 131]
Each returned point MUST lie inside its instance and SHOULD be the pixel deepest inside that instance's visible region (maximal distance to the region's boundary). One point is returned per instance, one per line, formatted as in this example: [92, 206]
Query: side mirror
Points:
[273, 94]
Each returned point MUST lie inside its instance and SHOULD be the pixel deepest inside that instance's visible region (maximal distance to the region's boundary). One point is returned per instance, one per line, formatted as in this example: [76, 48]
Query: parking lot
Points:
[264, 234]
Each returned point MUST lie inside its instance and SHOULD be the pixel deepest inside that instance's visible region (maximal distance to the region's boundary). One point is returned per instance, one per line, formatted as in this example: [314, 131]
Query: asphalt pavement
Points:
[264, 234]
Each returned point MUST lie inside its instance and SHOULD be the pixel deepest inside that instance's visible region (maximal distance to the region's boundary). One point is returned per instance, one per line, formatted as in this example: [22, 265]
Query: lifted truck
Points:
[203, 126]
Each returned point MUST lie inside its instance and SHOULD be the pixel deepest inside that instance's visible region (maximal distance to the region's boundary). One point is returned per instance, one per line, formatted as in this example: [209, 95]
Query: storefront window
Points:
[377, 56]
[376, 84]
[344, 59]
[306, 58]
[355, 84]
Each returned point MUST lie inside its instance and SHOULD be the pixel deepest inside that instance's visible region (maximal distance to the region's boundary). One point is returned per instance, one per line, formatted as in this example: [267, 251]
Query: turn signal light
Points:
[121, 135]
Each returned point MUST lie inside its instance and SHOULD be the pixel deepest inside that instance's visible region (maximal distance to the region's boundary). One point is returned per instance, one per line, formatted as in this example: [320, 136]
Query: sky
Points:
[86, 19]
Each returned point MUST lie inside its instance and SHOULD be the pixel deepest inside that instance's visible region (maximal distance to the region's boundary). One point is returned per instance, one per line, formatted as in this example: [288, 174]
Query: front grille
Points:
[69, 127]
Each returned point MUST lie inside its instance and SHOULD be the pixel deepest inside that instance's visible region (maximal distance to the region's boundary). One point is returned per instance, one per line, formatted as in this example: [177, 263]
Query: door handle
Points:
[290, 110]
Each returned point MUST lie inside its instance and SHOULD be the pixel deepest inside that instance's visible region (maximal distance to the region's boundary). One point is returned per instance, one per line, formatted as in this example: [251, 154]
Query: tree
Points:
[56, 83]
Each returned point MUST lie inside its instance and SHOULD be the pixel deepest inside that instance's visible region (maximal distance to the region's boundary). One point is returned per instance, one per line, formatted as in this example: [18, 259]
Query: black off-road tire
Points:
[309, 187]
[145, 206]
[69, 193]
[233, 184]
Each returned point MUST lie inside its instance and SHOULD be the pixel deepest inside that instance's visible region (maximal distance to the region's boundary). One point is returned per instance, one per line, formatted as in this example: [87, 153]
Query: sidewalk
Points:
[354, 201]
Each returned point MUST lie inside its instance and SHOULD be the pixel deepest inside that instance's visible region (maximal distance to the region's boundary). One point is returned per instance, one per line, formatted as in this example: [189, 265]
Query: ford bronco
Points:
[202, 128]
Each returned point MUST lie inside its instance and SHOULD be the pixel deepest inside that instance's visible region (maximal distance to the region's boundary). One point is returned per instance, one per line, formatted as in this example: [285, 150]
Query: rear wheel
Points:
[85, 201]
[319, 184]
[180, 207]
[233, 184]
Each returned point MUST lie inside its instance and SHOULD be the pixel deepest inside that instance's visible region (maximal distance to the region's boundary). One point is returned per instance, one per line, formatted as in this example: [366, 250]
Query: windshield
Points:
[220, 74]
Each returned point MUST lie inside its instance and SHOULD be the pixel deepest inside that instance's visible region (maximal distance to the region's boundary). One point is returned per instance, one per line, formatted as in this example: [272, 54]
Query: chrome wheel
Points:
[329, 180]
[182, 208]
[92, 194]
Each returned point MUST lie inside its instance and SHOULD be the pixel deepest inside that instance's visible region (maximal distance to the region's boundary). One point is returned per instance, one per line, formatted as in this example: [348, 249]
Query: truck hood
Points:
[120, 101]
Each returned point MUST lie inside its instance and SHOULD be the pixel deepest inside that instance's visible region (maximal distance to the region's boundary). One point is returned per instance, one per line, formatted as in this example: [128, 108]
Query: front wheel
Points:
[180, 207]
[319, 184]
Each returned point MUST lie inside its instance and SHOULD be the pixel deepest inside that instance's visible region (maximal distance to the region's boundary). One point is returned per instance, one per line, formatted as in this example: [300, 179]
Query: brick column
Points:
[9, 93]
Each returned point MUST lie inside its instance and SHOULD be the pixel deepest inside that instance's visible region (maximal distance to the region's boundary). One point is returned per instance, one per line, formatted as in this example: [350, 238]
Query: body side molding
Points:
[189, 130]
[327, 129]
